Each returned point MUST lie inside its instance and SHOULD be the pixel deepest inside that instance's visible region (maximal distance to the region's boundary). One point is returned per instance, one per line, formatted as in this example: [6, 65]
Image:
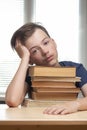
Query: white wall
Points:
[61, 18]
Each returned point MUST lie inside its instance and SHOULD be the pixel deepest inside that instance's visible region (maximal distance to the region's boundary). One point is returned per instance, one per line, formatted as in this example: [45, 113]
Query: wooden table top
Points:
[33, 115]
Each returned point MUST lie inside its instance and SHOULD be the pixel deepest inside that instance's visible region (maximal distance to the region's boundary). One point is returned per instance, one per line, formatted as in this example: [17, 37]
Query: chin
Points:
[52, 65]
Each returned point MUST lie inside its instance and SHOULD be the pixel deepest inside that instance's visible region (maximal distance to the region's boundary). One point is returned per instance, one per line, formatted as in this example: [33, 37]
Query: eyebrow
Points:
[37, 46]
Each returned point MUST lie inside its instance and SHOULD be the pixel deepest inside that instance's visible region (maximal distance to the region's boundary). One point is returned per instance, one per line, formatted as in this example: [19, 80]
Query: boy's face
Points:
[42, 49]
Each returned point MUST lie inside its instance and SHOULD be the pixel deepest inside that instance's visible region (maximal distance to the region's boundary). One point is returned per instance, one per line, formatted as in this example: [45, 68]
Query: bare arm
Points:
[71, 106]
[17, 88]
[83, 101]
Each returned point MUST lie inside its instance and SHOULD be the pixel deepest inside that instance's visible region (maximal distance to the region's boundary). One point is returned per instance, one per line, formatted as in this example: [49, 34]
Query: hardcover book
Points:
[54, 95]
[50, 84]
[52, 71]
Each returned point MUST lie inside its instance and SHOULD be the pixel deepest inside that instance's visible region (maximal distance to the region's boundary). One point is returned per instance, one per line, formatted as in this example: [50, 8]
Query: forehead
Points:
[36, 38]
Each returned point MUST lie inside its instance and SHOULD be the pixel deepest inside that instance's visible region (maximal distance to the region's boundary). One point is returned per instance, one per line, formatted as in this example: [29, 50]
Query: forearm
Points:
[82, 103]
[16, 89]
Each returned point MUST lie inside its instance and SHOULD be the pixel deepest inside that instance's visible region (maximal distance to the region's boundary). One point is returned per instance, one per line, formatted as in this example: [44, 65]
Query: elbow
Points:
[12, 102]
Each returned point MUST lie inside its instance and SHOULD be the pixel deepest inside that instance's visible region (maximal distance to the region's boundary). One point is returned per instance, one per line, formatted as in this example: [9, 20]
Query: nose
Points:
[44, 50]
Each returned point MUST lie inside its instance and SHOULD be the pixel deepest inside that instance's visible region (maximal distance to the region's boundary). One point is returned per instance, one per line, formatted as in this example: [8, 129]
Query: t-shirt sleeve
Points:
[81, 72]
[28, 80]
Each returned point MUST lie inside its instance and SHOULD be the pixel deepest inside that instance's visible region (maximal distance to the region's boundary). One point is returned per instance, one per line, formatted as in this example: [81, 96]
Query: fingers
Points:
[22, 50]
[18, 44]
[60, 109]
[54, 110]
[18, 49]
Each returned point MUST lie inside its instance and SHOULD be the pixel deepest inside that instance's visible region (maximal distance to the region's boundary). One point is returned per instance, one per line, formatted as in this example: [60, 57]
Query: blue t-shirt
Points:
[80, 72]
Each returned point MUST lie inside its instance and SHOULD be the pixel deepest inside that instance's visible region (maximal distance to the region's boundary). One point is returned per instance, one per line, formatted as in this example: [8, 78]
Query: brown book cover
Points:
[64, 90]
[54, 96]
[28, 102]
[56, 79]
[50, 84]
[52, 71]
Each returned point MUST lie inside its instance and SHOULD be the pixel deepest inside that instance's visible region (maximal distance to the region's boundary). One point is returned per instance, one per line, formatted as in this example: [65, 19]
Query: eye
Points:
[33, 51]
[46, 42]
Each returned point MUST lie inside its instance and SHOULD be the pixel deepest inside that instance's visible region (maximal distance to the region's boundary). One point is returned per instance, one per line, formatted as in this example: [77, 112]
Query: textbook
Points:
[52, 71]
[56, 79]
[54, 95]
[28, 102]
[50, 84]
[53, 83]
[64, 90]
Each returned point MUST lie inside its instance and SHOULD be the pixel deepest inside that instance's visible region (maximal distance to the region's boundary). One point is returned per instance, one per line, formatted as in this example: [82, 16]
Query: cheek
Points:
[36, 58]
[54, 48]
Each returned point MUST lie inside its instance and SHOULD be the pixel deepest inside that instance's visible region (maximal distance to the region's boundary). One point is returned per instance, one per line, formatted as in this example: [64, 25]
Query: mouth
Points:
[49, 58]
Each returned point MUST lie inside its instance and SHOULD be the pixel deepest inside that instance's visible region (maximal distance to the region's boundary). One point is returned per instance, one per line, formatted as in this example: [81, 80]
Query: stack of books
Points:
[53, 83]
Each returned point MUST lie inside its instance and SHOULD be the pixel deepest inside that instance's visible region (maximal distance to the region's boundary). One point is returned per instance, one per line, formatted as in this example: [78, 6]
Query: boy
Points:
[34, 45]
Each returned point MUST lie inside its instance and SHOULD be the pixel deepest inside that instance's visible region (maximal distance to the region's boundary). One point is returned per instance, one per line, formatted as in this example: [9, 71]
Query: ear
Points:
[54, 42]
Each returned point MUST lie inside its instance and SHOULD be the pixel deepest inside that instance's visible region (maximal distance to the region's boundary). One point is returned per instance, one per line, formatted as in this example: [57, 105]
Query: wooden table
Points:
[25, 118]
